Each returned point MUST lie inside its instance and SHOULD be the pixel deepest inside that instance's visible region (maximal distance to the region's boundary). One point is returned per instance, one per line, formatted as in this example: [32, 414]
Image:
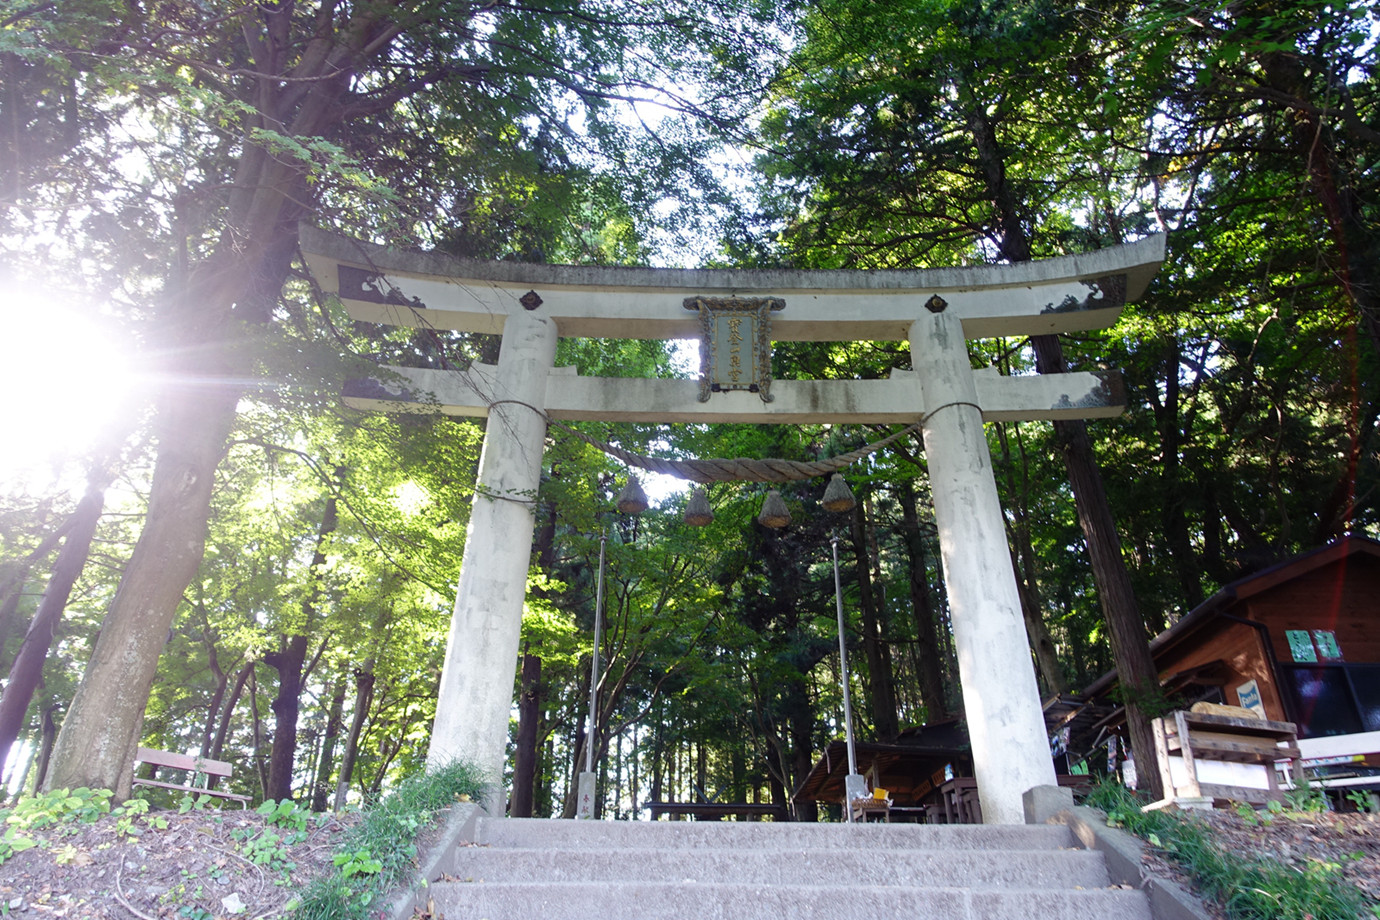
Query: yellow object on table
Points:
[879, 793]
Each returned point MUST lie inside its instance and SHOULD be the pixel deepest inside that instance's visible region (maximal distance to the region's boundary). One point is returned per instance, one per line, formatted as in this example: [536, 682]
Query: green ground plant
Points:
[1248, 889]
[287, 814]
[36, 812]
[378, 853]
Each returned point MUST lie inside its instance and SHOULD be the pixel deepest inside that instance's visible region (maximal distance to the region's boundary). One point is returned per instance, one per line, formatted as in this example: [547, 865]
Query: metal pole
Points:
[853, 783]
[594, 665]
[584, 807]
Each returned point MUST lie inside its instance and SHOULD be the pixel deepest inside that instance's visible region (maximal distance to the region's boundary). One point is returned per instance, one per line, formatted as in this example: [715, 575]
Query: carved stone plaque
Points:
[735, 343]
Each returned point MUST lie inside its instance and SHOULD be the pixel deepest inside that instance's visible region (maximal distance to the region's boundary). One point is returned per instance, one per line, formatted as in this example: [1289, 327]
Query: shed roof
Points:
[1249, 586]
[920, 751]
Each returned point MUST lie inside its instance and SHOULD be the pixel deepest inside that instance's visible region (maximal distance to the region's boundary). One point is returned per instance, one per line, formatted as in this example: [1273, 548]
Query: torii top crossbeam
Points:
[936, 311]
[1067, 294]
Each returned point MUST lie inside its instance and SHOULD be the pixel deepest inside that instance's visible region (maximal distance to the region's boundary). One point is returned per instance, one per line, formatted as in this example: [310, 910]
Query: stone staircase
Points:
[520, 869]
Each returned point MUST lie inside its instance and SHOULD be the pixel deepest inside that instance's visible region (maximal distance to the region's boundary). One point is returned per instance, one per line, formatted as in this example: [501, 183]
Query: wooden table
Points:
[867, 807]
[717, 811]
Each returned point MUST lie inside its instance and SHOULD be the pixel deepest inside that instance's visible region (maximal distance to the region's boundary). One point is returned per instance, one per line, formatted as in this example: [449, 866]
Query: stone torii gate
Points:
[935, 310]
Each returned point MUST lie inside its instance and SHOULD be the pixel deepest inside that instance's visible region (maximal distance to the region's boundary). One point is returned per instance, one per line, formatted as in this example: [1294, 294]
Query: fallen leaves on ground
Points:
[204, 865]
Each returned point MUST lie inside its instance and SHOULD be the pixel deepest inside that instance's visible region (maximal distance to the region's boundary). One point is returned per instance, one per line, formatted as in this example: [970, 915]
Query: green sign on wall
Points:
[1301, 645]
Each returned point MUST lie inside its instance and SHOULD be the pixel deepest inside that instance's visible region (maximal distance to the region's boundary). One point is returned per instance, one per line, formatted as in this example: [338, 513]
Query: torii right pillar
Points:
[1000, 694]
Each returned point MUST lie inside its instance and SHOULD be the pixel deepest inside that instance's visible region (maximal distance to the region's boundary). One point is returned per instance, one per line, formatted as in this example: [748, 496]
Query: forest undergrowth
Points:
[71, 854]
[1291, 861]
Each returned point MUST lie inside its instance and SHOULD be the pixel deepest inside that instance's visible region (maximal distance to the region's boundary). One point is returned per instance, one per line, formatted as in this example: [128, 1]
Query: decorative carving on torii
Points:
[935, 310]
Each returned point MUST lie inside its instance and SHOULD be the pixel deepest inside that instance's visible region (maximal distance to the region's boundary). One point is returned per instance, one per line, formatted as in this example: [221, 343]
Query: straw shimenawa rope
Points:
[716, 469]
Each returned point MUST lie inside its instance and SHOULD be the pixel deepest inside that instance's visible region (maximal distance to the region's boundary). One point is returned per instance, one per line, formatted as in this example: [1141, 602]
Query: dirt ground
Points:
[200, 865]
[227, 864]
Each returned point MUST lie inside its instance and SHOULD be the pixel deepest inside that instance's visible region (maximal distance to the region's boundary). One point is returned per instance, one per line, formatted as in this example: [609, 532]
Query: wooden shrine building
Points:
[1297, 642]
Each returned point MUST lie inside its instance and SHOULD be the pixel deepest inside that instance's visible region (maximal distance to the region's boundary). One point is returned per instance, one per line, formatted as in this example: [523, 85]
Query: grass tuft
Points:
[379, 853]
[1248, 889]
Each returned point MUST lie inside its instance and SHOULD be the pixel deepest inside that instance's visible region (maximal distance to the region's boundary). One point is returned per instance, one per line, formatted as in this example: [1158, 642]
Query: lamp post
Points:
[853, 785]
[585, 789]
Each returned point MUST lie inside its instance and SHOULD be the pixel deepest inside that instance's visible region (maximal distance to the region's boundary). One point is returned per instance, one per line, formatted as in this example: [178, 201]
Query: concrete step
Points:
[1033, 869]
[534, 833]
[697, 901]
[635, 870]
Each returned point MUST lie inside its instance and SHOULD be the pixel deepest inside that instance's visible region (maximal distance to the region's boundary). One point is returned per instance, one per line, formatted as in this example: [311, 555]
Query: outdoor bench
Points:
[194, 766]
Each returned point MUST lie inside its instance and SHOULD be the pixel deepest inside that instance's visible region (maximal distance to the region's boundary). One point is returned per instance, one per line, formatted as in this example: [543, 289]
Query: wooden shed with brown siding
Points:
[1297, 642]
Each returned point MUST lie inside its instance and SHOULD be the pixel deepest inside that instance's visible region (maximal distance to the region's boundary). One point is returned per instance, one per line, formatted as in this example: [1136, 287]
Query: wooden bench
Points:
[714, 811]
[193, 765]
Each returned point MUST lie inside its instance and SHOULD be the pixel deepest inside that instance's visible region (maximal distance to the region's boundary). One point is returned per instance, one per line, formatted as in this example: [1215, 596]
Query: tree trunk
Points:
[701, 772]
[1047, 666]
[1172, 494]
[47, 735]
[260, 766]
[1050, 671]
[321, 793]
[387, 753]
[223, 728]
[617, 797]
[546, 777]
[364, 696]
[27, 669]
[928, 652]
[12, 587]
[289, 660]
[658, 755]
[208, 730]
[1137, 675]
[96, 744]
[529, 714]
[880, 682]
[776, 771]
[19, 778]
[802, 759]
[577, 766]
[634, 776]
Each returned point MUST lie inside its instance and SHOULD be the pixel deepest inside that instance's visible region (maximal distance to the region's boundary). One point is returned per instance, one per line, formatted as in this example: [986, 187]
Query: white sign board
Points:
[1249, 695]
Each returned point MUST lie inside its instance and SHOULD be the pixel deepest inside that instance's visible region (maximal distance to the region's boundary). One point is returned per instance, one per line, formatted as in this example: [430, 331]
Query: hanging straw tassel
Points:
[774, 514]
[837, 495]
[632, 500]
[697, 512]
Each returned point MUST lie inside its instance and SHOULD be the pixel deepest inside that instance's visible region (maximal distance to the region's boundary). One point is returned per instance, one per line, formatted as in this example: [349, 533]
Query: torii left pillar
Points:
[473, 705]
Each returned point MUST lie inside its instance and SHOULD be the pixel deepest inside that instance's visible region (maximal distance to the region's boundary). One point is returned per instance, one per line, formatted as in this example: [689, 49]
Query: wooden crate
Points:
[1186, 742]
